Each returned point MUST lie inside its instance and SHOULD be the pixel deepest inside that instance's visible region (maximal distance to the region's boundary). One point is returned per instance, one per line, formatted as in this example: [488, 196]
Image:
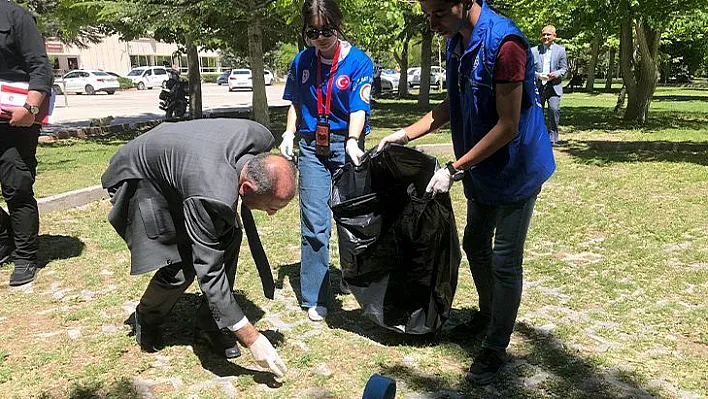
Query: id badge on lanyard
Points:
[322, 133]
[322, 130]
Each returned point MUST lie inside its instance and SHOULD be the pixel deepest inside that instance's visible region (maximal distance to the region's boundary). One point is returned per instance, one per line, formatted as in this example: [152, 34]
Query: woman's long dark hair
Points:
[326, 10]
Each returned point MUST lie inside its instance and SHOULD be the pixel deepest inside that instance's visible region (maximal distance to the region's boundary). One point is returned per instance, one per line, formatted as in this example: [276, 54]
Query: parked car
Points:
[389, 80]
[242, 79]
[86, 81]
[148, 77]
[437, 76]
[269, 77]
[223, 78]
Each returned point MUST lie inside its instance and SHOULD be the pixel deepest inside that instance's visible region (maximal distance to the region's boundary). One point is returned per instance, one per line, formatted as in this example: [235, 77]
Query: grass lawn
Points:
[616, 276]
[72, 164]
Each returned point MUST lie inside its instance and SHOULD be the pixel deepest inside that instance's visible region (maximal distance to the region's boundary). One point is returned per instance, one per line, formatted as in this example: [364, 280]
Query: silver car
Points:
[437, 77]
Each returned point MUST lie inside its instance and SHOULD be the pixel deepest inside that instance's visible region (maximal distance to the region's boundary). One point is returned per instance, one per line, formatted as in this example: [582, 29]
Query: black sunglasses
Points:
[313, 33]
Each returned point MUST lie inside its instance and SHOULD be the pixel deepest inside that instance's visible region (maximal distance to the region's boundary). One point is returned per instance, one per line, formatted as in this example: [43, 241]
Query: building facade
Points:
[115, 55]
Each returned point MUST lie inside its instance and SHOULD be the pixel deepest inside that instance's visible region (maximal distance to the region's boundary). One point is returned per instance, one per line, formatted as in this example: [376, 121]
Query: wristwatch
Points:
[33, 109]
[455, 173]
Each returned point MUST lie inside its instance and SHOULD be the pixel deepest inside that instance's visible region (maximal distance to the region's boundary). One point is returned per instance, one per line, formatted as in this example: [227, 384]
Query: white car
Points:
[86, 81]
[437, 76]
[242, 79]
[148, 77]
[389, 80]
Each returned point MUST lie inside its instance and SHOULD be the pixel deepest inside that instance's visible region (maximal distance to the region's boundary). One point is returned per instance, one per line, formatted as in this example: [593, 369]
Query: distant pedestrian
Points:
[551, 66]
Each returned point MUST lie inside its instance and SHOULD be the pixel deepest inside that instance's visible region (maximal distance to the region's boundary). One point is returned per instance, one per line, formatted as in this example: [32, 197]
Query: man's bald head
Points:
[267, 182]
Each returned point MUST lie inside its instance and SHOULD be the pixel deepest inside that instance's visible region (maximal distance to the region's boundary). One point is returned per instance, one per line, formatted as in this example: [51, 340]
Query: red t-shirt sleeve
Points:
[511, 61]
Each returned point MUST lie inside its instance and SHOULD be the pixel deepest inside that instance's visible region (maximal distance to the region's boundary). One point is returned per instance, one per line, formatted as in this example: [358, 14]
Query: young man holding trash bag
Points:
[503, 157]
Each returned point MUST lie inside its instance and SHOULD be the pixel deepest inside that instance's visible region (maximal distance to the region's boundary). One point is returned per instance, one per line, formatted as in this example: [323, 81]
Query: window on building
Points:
[162, 60]
[183, 65]
[208, 64]
[139, 60]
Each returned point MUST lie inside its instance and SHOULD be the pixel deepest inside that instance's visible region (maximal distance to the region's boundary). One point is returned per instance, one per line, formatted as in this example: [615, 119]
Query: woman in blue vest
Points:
[503, 158]
[329, 85]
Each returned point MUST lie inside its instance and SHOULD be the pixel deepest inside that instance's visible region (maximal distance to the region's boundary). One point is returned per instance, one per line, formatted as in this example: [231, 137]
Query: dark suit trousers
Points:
[18, 168]
[550, 100]
[169, 282]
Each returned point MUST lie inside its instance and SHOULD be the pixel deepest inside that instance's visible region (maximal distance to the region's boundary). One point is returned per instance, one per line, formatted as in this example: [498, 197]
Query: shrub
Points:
[210, 77]
[125, 83]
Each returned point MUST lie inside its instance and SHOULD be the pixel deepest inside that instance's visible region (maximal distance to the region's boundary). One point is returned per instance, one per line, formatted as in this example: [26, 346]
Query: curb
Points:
[71, 199]
[128, 129]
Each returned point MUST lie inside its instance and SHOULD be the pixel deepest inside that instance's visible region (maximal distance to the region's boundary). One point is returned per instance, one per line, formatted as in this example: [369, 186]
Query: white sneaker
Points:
[317, 313]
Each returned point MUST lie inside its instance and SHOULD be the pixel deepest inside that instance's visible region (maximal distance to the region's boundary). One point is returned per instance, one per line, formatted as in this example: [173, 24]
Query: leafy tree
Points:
[60, 20]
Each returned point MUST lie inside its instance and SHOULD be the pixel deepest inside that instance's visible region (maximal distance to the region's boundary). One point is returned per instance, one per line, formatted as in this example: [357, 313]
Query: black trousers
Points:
[18, 168]
[169, 282]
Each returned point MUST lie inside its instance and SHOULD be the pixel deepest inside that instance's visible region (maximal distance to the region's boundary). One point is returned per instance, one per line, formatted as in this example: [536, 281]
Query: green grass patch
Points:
[614, 300]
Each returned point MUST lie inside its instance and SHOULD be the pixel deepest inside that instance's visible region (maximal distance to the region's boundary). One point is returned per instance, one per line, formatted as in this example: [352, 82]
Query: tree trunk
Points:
[425, 48]
[402, 60]
[255, 57]
[610, 70]
[195, 78]
[594, 50]
[645, 74]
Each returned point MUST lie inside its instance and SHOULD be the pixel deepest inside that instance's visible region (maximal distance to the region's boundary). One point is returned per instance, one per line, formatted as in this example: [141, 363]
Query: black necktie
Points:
[259, 255]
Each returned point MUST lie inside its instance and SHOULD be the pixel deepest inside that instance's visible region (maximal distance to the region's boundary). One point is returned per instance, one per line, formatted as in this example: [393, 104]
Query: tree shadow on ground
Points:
[292, 272]
[602, 118]
[394, 115]
[599, 152]
[549, 368]
[57, 247]
[678, 98]
[178, 330]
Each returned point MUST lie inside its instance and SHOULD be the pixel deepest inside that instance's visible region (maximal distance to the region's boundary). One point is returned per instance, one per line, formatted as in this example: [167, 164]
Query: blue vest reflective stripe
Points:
[517, 170]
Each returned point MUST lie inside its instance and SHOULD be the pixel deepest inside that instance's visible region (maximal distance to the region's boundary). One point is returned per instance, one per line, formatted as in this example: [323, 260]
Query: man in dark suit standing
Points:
[24, 62]
[175, 190]
[551, 67]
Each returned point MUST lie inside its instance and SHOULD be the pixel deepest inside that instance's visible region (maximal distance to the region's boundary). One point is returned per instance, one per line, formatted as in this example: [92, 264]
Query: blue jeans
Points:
[496, 269]
[315, 216]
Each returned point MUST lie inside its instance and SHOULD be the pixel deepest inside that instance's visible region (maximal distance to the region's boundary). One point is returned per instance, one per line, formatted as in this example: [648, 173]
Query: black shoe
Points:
[7, 246]
[476, 327]
[223, 343]
[486, 366]
[148, 336]
[23, 273]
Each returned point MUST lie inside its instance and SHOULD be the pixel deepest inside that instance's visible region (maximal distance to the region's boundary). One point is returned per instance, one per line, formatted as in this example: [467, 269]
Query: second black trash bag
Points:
[398, 246]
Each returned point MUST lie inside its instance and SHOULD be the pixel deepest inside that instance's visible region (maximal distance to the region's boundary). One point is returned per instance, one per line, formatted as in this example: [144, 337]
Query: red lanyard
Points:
[332, 72]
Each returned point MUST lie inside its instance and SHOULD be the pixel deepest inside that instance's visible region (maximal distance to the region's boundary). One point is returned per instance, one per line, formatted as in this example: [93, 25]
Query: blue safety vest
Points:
[517, 170]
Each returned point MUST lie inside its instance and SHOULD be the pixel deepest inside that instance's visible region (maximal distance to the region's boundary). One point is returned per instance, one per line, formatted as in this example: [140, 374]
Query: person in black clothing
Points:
[173, 72]
[23, 58]
[377, 79]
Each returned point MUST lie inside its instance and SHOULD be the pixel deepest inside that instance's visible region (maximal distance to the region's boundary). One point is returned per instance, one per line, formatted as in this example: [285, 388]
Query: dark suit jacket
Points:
[559, 65]
[188, 175]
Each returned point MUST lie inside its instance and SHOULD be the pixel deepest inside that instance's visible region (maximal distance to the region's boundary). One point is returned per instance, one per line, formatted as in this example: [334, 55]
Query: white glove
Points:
[267, 357]
[355, 153]
[440, 182]
[286, 147]
[399, 137]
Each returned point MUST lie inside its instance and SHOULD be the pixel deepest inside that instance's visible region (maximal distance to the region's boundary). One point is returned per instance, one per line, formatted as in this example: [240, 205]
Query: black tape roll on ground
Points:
[398, 247]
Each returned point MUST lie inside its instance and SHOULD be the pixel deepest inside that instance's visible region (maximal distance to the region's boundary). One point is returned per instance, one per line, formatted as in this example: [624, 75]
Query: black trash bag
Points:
[398, 246]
